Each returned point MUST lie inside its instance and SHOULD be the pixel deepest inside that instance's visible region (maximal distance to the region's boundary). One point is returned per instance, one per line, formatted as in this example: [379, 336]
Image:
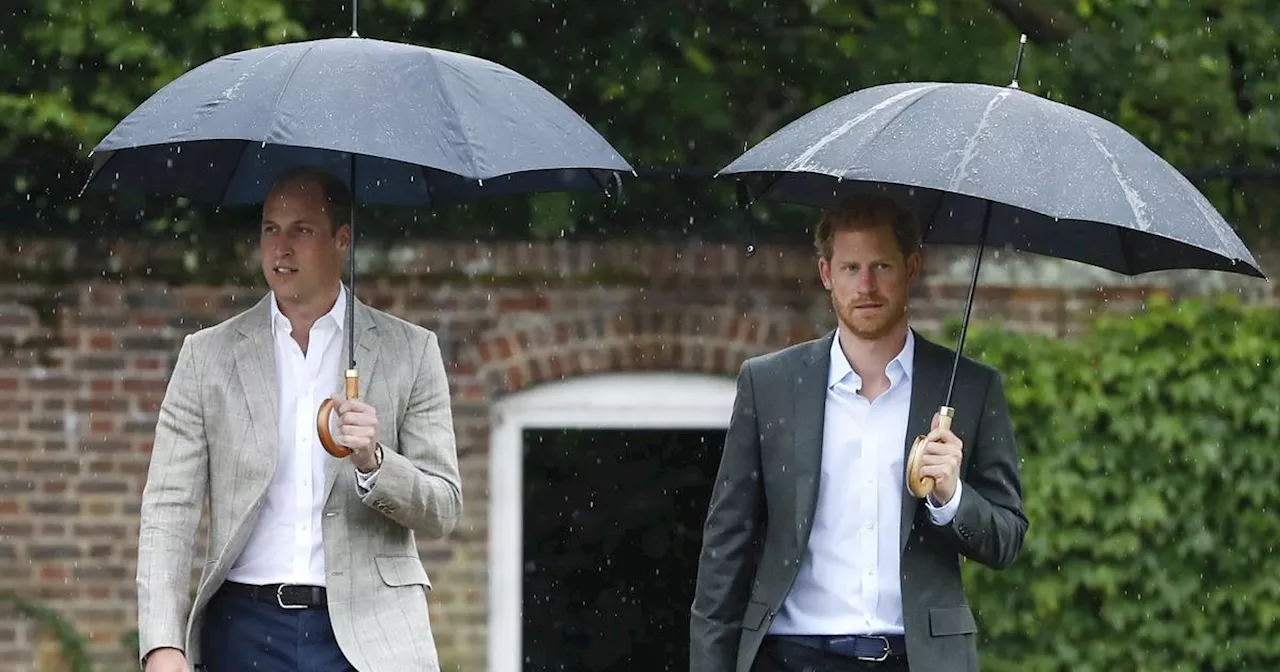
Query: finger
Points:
[358, 419]
[351, 406]
[937, 472]
[358, 431]
[940, 448]
[934, 423]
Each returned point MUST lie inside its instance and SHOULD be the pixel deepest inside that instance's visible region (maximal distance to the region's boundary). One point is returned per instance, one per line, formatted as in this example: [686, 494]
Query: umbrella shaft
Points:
[351, 270]
[968, 304]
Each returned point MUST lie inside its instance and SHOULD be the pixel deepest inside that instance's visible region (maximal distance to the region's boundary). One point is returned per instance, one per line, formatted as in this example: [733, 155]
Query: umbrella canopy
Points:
[986, 165]
[1000, 166]
[399, 124]
[416, 126]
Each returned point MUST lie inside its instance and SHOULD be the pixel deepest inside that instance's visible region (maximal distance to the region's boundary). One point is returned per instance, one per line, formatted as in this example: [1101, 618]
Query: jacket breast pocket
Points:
[754, 615]
[402, 570]
[945, 621]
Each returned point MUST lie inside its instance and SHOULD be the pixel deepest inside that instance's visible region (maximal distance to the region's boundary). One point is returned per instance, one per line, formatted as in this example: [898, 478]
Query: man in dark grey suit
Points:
[815, 554]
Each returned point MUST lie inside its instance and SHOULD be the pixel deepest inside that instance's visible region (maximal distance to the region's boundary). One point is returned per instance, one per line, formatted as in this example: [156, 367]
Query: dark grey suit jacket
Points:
[762, 507]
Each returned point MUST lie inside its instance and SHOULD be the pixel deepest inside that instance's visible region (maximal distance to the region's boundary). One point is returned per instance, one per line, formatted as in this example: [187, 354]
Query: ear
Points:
[824, 271]
[915, 265]
[343, 237]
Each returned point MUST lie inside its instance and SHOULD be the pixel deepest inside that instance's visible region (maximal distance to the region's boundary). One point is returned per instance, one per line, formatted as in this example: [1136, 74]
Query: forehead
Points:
[295, 202]
[875, 240]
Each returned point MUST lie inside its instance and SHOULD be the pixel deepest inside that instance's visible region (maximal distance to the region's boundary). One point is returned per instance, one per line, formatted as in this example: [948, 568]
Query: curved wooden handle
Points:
[352, 389]
[921, 486]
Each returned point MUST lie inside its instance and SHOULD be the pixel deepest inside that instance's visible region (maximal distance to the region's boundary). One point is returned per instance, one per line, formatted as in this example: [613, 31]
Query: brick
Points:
[13, 528]
[57, 383]
[148, 343]
[99, 363]
[151, 300]
[53, 551]
[14, 486]
[51, 465]
[55, 507]
[101, 487]
[46, 424]
[101, 341]
[157, 385]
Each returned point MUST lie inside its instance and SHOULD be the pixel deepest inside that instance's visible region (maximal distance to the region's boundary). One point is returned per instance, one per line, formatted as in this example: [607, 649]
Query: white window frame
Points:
[635, 400]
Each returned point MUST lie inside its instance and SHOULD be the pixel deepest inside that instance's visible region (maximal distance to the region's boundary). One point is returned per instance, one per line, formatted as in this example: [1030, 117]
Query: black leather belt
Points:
[873, 648]
[285, 595]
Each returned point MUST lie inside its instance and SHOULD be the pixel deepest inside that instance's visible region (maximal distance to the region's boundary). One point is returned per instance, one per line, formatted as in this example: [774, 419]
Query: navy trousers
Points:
[241, 634]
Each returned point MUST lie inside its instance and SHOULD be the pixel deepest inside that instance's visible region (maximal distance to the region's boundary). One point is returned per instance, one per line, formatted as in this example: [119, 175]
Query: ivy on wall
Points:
[1151, 473]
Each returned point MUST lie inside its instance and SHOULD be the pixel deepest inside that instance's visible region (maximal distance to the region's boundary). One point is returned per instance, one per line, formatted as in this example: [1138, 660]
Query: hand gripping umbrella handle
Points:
[921, 486]
[352, 388]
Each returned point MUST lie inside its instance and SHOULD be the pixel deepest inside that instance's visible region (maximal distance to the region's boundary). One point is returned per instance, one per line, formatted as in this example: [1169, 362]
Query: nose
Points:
[866, 281]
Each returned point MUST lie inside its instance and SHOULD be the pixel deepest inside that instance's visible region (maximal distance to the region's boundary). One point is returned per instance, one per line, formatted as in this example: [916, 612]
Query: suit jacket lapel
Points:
[929, 379]
[367, 351]
[255, 356]
[809, 398]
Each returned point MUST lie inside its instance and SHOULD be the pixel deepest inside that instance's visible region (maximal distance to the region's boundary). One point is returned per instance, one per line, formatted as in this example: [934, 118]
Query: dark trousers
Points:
[781, 656]
[242, 634]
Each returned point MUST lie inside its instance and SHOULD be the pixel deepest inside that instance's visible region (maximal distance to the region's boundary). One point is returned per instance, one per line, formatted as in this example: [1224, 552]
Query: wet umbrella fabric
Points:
[981, 163]
[417, 126]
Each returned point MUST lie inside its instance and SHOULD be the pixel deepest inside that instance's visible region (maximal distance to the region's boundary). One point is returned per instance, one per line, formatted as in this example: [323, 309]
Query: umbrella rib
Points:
[235, 165]
[448, 97]
[275, 107]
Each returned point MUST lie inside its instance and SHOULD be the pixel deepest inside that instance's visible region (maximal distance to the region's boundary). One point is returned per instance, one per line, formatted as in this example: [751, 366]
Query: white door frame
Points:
[637, 400]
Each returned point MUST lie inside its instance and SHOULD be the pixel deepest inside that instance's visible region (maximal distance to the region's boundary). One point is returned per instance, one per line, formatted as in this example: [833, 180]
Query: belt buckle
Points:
[280, 599]
[884, 653]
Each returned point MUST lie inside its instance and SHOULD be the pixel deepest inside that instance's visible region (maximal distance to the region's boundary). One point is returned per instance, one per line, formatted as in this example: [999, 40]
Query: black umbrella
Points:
[400, 124]
[986, 165]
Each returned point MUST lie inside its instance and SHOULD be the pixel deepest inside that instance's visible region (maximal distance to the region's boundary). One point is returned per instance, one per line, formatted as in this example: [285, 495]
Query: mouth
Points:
[284, 270]
[868, 306]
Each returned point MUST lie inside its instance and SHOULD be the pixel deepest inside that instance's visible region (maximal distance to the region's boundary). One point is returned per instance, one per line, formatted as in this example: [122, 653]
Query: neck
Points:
[303, 312]
[870, 357]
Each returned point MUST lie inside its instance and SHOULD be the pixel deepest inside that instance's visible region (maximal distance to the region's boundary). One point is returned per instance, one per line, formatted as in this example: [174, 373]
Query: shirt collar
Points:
[899, 367]
[281, 323]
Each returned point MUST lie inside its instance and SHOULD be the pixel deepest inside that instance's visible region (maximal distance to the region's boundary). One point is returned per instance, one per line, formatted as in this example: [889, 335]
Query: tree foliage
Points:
[670, 83]
[1150, 464]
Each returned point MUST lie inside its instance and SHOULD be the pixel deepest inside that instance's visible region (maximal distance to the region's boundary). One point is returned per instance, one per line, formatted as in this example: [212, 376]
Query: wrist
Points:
[372, 460]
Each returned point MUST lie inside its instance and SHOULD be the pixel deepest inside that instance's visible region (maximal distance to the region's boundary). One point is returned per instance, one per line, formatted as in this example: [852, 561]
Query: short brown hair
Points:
[867, 210]
[337, 197]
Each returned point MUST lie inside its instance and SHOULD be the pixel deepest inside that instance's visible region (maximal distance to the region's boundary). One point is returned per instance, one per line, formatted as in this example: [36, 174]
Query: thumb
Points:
[936, 419]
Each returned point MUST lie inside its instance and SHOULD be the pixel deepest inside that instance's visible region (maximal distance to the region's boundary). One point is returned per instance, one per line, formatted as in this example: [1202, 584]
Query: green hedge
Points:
[1151, 473]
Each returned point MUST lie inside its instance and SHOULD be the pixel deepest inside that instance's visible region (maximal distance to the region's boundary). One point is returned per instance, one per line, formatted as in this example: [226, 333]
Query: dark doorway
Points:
[612, 531]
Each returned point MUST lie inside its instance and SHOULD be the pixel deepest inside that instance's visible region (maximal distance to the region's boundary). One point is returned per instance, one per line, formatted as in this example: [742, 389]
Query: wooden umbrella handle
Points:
[921, 486]
[352, 389]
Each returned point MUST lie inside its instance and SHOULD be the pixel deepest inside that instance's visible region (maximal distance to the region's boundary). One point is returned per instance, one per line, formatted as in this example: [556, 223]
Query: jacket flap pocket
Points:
[754, 614]
[402, 570]
[951, 621]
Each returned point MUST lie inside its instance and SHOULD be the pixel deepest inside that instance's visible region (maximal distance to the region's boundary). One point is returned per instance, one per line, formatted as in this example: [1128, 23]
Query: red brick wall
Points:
[87, 337]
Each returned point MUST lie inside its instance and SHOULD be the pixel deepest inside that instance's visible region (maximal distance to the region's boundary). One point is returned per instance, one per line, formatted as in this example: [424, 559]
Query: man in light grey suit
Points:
[815, 554]
[313, 561]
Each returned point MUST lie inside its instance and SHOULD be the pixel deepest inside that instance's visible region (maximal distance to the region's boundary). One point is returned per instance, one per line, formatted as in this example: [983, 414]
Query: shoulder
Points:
[790, 358]
[398, 330]
[407, 343]
[213, 339]
[930, 353]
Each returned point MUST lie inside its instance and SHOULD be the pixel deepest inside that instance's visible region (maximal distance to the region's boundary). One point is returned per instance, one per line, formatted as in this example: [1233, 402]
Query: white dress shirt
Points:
[848, 582]
[286, 545]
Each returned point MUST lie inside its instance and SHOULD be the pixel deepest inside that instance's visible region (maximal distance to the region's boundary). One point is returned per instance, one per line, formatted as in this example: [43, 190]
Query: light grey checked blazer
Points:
[216, 436]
